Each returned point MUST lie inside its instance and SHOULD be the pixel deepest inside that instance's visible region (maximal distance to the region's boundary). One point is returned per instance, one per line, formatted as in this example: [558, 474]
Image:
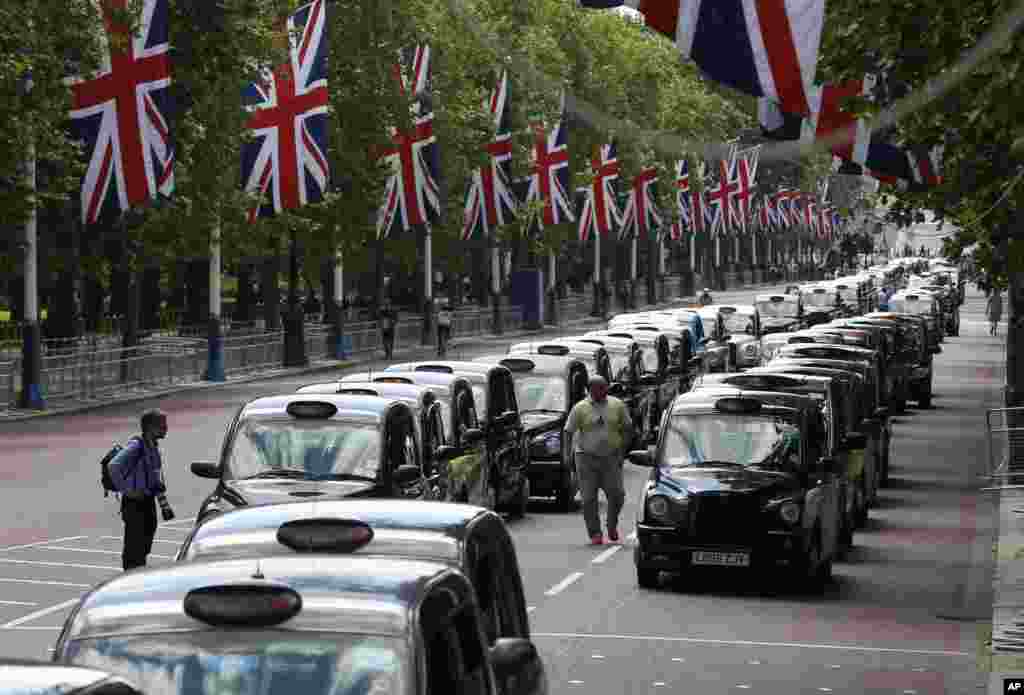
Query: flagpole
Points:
[633, 253]
[338, 320]
[215, 336]
[31, 346]
[496, 285]
[598, 299]
[552, 317]
[428, 287]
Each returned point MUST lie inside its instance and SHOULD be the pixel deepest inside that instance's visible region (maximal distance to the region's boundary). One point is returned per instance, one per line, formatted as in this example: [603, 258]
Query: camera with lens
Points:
[165, 507]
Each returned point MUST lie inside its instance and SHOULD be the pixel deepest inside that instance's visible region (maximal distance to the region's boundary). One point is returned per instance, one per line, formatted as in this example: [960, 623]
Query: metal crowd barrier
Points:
[1005, 430]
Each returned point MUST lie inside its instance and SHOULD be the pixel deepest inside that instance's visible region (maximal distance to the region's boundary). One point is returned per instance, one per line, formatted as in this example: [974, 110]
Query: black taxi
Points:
[661, 374]
[283, 624]
[593, 356]
[24, 677]
[737, 483]
[471, 539]
[547, 388]
[919, 353]
[506, 451]
[780, 313]
[315, 446]
[822, 303]
[630, 383]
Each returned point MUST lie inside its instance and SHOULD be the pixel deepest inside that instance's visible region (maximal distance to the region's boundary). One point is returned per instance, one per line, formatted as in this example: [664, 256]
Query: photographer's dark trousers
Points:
[139, 528]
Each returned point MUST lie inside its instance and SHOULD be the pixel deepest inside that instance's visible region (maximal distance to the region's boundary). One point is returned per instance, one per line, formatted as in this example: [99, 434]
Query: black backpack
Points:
[105, 480]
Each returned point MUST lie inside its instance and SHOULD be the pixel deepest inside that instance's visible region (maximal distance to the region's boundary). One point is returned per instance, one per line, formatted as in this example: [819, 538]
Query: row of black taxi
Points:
[294, 574]
[775, 467]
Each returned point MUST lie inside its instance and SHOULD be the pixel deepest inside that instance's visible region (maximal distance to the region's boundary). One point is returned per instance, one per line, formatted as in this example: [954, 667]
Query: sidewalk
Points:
[129, 395]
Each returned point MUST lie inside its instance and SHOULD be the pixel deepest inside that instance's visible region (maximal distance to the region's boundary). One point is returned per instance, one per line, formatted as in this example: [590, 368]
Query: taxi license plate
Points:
[703, 557]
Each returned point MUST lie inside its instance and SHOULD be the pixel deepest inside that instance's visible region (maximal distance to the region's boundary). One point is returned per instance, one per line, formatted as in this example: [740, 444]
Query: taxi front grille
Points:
[724, 517]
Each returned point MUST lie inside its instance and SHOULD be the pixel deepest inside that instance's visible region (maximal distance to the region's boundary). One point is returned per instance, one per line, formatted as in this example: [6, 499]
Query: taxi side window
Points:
[499, 395]
[579, 386]
[466, 414]
[437, 425]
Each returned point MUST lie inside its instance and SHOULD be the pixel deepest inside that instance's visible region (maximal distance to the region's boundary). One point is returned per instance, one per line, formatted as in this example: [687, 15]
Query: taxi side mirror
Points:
[206, 469]
[407, 475]
[446, 453]
[517, 666]
[856, 440]
[472, 436]
[641, 457]
[506, 419]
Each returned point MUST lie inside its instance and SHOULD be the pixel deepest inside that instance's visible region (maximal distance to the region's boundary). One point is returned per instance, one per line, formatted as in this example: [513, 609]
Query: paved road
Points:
[900, 618]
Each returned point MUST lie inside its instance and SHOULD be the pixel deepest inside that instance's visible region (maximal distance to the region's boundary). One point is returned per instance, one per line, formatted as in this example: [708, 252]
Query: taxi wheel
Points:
[518, 506]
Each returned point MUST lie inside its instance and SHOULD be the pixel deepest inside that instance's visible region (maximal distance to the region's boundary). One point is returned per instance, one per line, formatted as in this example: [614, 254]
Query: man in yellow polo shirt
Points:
[600, 431]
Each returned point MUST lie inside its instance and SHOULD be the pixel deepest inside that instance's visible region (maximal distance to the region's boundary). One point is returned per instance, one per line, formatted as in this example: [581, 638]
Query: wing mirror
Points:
[642, 457]
[206, 469]
[517, 666]
[472, 436]
[856, 440]
[507, 419]
[446, 453]
[407, 475]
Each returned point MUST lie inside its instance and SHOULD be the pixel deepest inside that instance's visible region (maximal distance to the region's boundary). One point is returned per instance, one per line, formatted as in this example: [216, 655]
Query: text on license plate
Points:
[704, 557]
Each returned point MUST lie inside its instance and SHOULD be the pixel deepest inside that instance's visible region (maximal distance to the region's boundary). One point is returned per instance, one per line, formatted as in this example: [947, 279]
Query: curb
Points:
[318, 368]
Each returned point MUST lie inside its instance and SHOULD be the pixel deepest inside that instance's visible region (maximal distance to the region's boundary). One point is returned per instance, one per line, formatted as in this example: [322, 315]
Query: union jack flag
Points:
[549, 182]
[490, 200]
[768, 214]
[121, 114]
[412, 195]
[641, 215]
[720, 198]
[287, 156]
[783, 201]
[600, 210]
[740, 188]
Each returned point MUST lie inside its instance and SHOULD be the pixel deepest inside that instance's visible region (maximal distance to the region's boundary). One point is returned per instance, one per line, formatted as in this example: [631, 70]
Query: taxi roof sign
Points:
[558, 350]
[243, 605]
[393, 380]
[518, 364]
[738, 405]
[311, 409]
[359, 392]
[777, 298]
[324, 535]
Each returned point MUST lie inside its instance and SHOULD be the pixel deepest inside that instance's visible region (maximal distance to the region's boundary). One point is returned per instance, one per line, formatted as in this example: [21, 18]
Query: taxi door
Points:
[822, 498]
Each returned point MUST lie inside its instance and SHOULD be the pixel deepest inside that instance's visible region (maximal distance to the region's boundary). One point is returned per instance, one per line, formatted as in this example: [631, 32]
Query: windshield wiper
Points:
[280, 473]
[720, 463]
[542, 410]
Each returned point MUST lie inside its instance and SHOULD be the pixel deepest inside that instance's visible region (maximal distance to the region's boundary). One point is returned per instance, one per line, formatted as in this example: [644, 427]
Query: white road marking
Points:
[597, 656]
[40, 613]
[38, 543]
[19, 603]
[606, 554]
[755, 662]
[835, 666]
[59, 564]
[825, 690]
[575, 682]
[678, 659]
[563, 585]
[102, 552]
[744, 686]
[659, 684]
[531, 609]
[155, 540]
[750, 643]
[43, 582]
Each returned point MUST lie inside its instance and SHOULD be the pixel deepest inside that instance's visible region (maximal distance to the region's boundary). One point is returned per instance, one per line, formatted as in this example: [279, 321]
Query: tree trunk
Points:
[149, 311]
[246, 298]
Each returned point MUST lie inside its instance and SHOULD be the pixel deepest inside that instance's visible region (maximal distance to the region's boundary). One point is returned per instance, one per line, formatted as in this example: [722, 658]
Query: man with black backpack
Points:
[136, 472]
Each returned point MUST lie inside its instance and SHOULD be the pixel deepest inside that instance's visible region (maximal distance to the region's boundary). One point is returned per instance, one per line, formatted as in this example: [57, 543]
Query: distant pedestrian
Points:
[994, 311]
[388, 320]
[705, 297]
[444, 329]
[600, 430]
[137, 474]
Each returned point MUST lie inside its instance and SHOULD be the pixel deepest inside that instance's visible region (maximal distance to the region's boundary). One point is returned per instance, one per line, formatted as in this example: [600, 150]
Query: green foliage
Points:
[979, 121]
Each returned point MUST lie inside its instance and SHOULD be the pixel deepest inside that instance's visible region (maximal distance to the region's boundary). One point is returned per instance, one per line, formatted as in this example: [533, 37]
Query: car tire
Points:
[647, 578]
[924, 402]
[519, 503]
[565, 498]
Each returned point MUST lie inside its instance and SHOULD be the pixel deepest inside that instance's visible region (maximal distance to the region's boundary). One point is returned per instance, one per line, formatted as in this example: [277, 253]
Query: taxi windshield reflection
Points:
[252, 662]
[541, 393]
[739, 323]
[777, 310]
[734, 440]
[310, 450]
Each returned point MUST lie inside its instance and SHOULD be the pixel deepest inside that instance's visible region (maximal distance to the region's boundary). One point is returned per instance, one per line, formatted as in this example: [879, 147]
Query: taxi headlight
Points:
[661, 508]
[790, 512]
[751, 349]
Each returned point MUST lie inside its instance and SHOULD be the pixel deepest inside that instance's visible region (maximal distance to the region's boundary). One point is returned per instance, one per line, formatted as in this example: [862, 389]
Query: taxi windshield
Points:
[541, 392]
[307, 449]
[649, 356]
[822, 299]
[736, 322]
[777, 310]
[267, 662]
[722, 438]
[909, 306]
[620, 366]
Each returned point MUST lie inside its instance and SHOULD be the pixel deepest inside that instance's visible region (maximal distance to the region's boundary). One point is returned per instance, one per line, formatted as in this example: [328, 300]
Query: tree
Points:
[978, 121]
